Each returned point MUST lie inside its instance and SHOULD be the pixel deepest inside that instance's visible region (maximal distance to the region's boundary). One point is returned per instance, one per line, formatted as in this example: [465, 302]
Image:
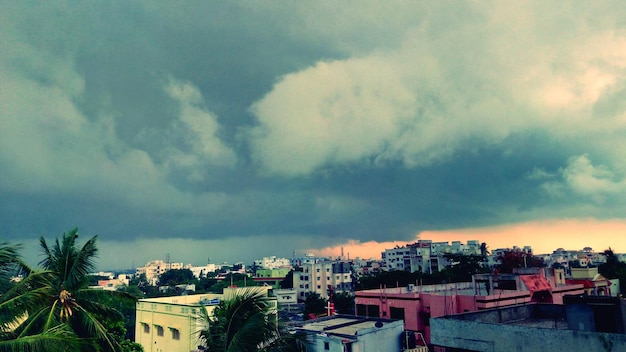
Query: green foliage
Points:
[463, 267]
[287, 282]
[239, 280]
[246, 322]
[176, 277]
[613, 268]
[344, 303]
[314, 304]
[515, 259]
[60, 312]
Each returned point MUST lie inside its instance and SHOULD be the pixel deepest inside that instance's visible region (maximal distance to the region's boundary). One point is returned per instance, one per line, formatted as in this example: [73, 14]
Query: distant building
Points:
[122, 280]
[416, 305]
[594, 283]
[307, 259]
[271, 277]
[154, 268]
[366, 266]
[583, 323]
[349, 333]
[273, 263]
[317, 277]
[286, 296]
[425, 255]
[202, 270]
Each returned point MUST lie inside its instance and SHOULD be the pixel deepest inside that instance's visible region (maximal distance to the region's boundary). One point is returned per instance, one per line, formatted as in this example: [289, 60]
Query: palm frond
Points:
[56, 339]
[13, 310]
[9, 259]
[245, 322]
[90, 325]
[82, 262]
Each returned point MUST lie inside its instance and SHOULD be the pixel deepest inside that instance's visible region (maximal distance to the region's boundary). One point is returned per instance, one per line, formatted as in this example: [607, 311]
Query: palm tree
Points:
[15, 301]
[57, 299]
[246, 322]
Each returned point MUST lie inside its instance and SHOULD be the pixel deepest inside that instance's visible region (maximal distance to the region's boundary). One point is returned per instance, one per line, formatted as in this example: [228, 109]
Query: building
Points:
[594, 283]
[271, 277]
[122, 280]
[416, 305]
[425, 255]
[363, 267]
[203, 270]
[581, 324]
[319, 276]
[307, 259]
[154, 268]
[273, 263]
[172, 323]
[286, 296]
[349, 333]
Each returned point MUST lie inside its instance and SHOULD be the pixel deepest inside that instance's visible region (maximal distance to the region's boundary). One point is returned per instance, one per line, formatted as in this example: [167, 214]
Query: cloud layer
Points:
[317, 123]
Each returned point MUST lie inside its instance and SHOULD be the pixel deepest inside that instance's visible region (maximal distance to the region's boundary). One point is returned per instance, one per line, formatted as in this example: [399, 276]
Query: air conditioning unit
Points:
[410, 287]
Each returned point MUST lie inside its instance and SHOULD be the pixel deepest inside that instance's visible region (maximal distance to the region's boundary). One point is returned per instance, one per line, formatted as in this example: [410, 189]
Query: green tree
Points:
[462, 267]
[246, 322]
[344, 303]
[16, 302]
[58, 301]
[314, 304]
[176, 277]
[510, 260]
[613, 268]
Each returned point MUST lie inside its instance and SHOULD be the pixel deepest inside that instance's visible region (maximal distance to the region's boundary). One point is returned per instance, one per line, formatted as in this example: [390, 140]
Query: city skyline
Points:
[233, 130]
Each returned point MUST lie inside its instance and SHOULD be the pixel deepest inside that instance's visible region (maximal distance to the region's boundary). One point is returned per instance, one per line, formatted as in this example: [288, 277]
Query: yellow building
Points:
[171, 324]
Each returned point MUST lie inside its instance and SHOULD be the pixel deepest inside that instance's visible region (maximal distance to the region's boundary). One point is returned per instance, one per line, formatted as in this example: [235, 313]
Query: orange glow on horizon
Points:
[542, 236]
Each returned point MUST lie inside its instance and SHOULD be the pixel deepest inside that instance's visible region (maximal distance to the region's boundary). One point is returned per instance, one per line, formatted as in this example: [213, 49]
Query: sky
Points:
[229, 131]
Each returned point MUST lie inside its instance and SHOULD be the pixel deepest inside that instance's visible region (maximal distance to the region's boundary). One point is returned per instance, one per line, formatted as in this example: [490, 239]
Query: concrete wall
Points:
[481, 332]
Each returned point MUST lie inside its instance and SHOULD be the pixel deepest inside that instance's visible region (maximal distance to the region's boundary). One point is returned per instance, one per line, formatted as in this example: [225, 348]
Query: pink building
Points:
[417, 304]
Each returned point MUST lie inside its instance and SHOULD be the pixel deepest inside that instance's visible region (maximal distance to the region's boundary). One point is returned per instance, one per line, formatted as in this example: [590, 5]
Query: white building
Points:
[425, 255]
[349, 333]
[318, 277]
[203, 270]
[307, 259]
[272, 263]
[286, 296]
[154, 268]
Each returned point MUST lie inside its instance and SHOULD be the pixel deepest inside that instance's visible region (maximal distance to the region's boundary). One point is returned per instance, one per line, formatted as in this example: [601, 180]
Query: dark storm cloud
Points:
[304, 124]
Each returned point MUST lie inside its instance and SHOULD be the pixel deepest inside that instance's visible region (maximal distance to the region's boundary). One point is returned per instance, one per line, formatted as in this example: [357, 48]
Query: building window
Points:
[175, 334]
[159, 330]
[146, 328]
[396, 313]
[326, 346]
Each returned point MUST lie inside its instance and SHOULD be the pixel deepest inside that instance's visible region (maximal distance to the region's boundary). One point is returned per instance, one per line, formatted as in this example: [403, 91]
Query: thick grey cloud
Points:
[306, 124]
